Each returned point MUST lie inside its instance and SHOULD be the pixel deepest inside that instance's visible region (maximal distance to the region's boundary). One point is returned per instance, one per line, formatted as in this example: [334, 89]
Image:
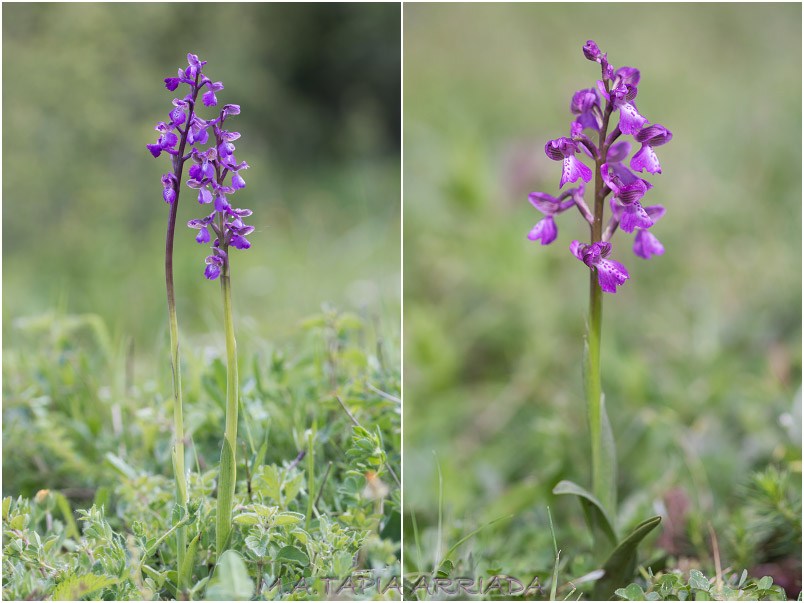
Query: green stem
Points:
[602, 486]
[310, 477]
[228, 470]
[178, 420]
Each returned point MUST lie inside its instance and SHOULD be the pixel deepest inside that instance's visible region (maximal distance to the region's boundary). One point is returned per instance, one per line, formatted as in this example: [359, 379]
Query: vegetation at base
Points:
[87, 445]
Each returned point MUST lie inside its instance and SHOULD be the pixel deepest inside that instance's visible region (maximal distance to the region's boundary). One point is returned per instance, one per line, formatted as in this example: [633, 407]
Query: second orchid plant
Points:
[208, 174]
[615, 179]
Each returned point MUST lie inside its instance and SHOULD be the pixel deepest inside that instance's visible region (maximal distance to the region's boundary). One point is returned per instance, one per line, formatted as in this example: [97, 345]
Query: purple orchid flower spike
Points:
[610, 274]
[564, 149]
[592, 109]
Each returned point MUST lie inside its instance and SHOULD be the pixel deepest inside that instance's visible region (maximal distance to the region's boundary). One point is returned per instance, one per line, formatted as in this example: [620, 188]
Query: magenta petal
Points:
[204, 196]
[575, 248]
[209, 99]
[630, 119]
[572, 170]
[634, 216]
[545, 230]
[610, 275]
[221, 204]
[646, 159]
[203, 235]
[212, 271]
[618, 151]
[237, 181]
[645, 245]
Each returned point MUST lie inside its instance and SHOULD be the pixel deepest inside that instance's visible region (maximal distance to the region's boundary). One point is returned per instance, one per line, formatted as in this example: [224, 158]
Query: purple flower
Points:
[545, 228]
[627, 75]
[610, 274]
[203, 227]
[645, 244]
[209, 166]
[586, 105]
[209, 97]
[563, 149]
[169, 188]
[628, 189]
[215, 263]
[591, 51]
[645, 158]
[630, 119]
[618, 88]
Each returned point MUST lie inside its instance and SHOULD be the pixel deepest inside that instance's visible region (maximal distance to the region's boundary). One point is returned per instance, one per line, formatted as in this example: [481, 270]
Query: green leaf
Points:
[293, 487]
[269, 482]
[186, 573]
[247, 519]
[698, 581]
[6, 507]
[607, 463]
[64, 506]
[121, 466]
[445, 569]
[258, 543]
[75, 587]
[231, 581]
[293, 555]
[288, 518]
[621, 563]
[301, 535]
[765, 583]
[596, 515]
[632, 592]
[226, 487]
[342, 563]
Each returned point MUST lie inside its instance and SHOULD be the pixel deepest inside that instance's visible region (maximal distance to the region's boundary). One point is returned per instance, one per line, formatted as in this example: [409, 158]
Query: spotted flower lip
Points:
[645, 159]
[610, 274]
[563, 149]
[630, 119]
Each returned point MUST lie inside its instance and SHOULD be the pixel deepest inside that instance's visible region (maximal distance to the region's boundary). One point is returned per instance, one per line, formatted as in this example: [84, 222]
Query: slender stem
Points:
[228, 476]
[178, 419]
[310, 478]
[601, 489]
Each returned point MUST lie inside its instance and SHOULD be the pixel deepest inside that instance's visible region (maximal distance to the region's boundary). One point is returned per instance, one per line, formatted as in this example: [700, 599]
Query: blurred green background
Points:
[83, 218]
[701, 351]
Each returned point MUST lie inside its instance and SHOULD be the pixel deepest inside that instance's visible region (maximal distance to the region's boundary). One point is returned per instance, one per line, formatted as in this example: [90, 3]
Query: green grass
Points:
[84, 429]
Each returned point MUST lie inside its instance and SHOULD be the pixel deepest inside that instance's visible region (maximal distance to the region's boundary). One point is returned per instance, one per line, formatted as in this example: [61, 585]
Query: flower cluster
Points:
[618, 89]
[210, 166]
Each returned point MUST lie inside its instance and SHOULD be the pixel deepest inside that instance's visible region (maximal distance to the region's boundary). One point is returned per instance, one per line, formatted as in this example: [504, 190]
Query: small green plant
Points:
[675, 586]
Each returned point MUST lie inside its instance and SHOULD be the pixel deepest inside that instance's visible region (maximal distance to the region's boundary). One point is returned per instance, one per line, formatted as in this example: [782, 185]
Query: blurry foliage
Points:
[701, 349]
[83, 218]
[83, 431]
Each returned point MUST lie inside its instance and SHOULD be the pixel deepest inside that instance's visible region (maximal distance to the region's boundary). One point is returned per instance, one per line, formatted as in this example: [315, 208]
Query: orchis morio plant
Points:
[207, 174]
[593, 109]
